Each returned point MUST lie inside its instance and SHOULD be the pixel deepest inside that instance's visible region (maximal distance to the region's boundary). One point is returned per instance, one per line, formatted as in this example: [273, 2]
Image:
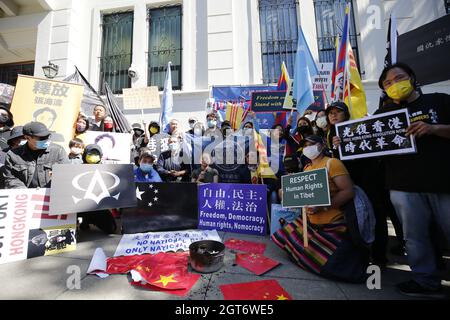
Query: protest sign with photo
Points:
[162, 206]
[281, 216]
[26, 228]
[154, 242]
[309, 188]
[239, 208]
[115, 146]
[82, 188]
[141, 98]
[379, 135]
[54, 103]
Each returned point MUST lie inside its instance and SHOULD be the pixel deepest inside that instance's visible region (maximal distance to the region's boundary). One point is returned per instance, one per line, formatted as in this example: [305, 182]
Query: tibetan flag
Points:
[264, 170]
[234, 114]
[305, 69]
[284, 78]
[189, 280]
[335, 62]
[255, 262]
[341, 65]
[246, 246]
[256, 290]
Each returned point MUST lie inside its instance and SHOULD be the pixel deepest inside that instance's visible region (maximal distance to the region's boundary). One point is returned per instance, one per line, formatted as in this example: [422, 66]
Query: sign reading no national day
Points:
[378, 135]
[309, 188]
[154, 242]
[239, 208]
[26, 229]
[91, 187]
[269, 101]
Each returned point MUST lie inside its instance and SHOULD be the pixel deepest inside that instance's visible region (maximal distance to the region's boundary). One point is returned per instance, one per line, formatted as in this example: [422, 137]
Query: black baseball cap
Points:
[337, 105]
[37, 129]
[312, 138]
[15, 132]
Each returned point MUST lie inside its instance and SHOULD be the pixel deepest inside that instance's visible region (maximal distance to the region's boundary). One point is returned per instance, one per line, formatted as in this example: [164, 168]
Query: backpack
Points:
[359, 217]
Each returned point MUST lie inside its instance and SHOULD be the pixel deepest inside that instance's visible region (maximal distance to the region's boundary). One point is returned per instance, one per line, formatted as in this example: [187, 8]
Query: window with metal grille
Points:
[279, 36]
[330, 15]
[9, 72]
[164, 45]
[116, 54]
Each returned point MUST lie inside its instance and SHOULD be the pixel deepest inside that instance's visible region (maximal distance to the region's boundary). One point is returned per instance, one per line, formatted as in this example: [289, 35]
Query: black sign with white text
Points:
[374, 136]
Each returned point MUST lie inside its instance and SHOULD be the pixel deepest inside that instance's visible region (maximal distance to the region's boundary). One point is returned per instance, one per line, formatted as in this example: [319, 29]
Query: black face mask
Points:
[302, 129]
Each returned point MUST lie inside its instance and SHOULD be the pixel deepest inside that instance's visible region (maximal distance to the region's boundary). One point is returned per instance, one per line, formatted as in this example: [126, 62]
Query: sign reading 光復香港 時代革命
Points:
[239, 208]
[379, 135]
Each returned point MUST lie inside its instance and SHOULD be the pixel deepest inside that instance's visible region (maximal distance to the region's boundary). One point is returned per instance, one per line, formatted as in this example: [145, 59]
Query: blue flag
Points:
[167, 101]
[305, 68]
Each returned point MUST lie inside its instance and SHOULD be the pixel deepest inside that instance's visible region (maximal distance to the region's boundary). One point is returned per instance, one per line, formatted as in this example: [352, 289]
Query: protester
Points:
[337, 112]
[76, 151]
[30, 165]
[102, 219]
[211, 123]
[139, 141]
[199, 129]
[192, 121]
[303, 130]
[170, 165]
[16, 138]
[99, 116]
[6, 123]
[320, 124]
[108, 124]
[419, 189]
[174, 127]
[81, 126]
[327, 253]
[205, 174]
[153, 128]
[146, 172]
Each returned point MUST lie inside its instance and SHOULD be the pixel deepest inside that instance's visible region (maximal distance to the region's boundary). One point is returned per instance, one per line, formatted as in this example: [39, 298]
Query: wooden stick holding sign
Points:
[305, 227]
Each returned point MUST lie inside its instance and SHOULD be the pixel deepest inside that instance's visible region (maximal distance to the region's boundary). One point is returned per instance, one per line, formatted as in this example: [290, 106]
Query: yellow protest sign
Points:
[288, 102]
[54, 103]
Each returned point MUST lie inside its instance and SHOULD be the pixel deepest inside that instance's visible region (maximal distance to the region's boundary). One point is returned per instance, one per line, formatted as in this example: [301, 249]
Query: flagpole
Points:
[347, 62]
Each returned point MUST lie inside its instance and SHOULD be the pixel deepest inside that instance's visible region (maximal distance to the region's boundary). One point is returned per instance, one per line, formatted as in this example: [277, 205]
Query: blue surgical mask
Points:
[173, 146]
[212, 123]
[42, 144]
[146, 167]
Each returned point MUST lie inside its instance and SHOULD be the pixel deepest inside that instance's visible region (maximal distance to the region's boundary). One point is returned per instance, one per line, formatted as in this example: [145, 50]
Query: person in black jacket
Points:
[6, 123]
[171, 165]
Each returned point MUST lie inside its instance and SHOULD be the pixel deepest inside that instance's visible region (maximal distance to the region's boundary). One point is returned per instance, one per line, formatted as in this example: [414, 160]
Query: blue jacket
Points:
[140, 176]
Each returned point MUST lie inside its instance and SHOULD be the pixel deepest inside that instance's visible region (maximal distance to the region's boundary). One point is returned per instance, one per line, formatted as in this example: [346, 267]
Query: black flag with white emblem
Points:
[91, 187]
[161, 207]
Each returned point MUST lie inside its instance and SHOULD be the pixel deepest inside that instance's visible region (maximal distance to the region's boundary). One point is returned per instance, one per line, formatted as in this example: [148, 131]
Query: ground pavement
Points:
[46, 277]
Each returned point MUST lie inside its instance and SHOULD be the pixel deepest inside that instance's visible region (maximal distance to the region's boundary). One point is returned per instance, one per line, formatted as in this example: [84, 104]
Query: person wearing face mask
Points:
[320, 124]
[327, 229]
[153, 128]
[92, 154]
[304, 129]
[205, 174]
[171, 166]
[30, 165]
[192, 121]
[211, 123]
[6, 123]
[81, 126]
[139, 141]
[16, 138]
[76, 151]
[146, 172]
[418, 183]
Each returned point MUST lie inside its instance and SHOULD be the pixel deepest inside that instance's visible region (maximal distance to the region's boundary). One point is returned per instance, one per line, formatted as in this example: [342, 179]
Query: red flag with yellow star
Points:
[165, 270]
[123, 264]
[189, 280]
[255, 262]
[246, 246]
[256, 290]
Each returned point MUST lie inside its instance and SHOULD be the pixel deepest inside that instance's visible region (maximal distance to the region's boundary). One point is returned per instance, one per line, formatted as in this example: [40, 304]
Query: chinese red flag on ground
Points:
[165, 270]
[123, 264]
[246, 246]
[256, 290]
[189, 280]
[256, 263]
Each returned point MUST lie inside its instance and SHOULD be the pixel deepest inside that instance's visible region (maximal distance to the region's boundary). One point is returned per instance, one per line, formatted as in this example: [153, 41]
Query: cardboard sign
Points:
[141, 98]
[374, 136]
[83, 187]
[26, 228]
[309, 188]
[115, 146]
[322, 81]
[239, 208]
[154, 242]
[54, 103]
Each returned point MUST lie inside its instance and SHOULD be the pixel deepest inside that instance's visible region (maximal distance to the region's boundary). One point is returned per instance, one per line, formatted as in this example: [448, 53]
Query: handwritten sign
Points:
[141, 98]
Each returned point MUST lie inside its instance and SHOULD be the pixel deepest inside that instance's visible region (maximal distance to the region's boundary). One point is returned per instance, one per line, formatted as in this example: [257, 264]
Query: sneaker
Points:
[413, 289]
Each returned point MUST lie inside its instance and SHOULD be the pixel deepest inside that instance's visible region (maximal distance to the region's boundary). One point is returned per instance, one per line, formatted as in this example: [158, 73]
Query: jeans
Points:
[416, 212]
